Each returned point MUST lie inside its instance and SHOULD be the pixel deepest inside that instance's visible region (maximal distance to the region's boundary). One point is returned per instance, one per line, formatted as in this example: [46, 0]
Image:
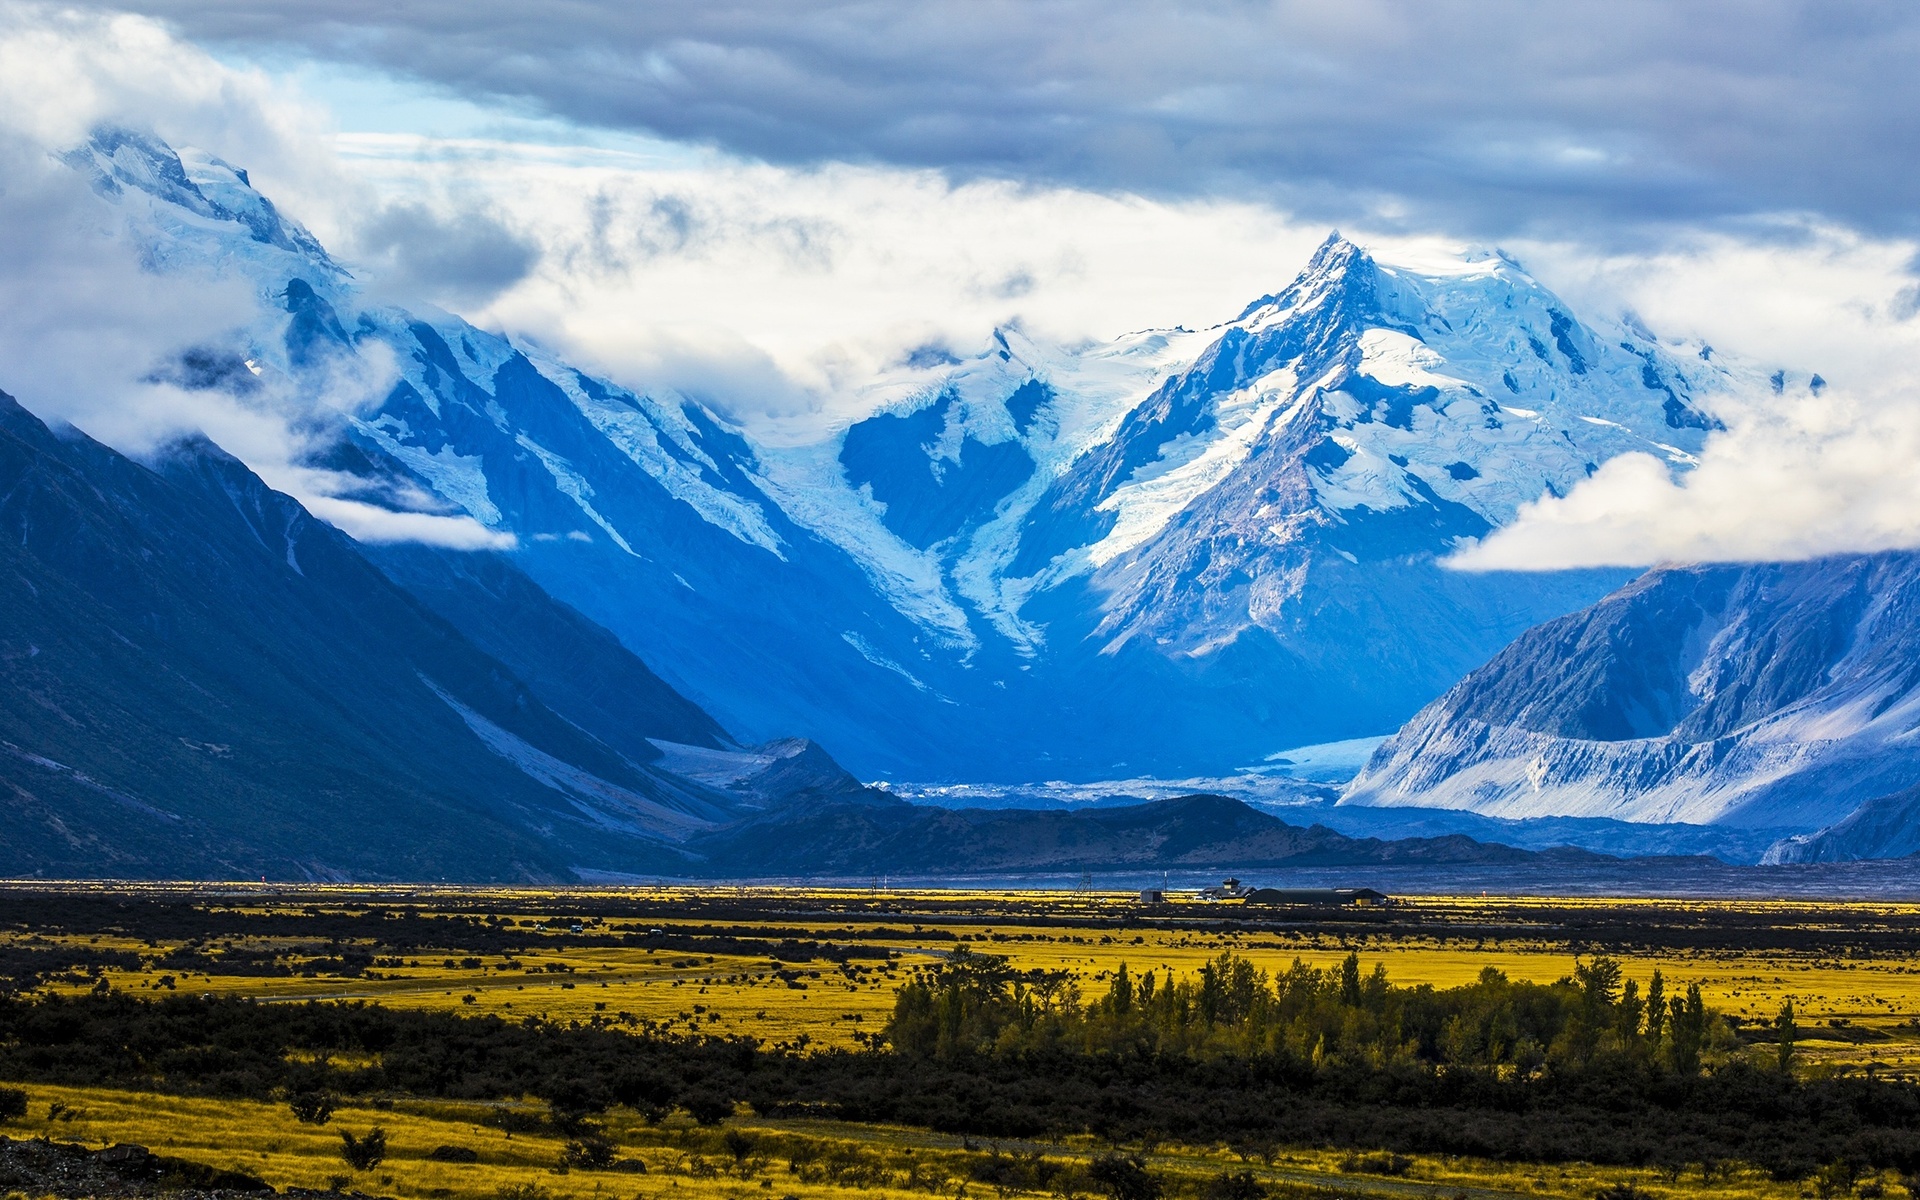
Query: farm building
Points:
[1321, 897]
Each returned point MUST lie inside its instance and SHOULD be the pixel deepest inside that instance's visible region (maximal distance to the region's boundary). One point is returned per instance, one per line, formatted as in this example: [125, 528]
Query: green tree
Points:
[1656, 1008]
[1785, 1033]
[366, 1152]
[1350, 980]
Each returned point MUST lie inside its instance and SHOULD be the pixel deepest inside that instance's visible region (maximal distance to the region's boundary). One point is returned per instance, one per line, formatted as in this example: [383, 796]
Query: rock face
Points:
[202, 680]
[1776, 695]
[1173, 553]
[1884, 827]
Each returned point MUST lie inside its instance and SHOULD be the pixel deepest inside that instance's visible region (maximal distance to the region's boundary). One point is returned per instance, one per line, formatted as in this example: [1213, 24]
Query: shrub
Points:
[707, 1107]
[365, 1152]
[1124, 1177]
[13, 1104]
[1376, 1164]
[453, 1154]
[740, 1144]
[1235, 1185]
[312, 1108]
[588, 1153]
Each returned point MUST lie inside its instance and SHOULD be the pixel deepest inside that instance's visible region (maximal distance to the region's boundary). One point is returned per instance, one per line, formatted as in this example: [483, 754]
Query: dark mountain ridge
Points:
[204, 680]
[876, 834]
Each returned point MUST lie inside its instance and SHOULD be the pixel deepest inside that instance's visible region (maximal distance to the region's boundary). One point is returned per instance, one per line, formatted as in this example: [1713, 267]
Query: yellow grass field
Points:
[1856, 1010]
[1852, 1010]
[802, 1160]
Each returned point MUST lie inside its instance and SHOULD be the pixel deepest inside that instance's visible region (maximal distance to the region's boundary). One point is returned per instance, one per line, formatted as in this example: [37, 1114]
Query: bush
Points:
[1235, 1185]
[588, 1153]
[312, 1108]
[740, 1144]
[1124, 1177]
[13, 1104]
[366, 1152]
[706, 1107]
[453, 1154]
[1376, 1164]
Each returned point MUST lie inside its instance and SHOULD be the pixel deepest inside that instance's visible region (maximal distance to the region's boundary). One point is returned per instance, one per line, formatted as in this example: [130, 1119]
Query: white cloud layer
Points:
[777, 293]
[1806, 471]
[781, 292]
[1485, 118]
[88, 329]
[1793, 477]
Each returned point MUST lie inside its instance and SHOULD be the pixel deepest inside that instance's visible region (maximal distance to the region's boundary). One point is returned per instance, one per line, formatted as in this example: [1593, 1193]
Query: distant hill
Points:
[875, 834]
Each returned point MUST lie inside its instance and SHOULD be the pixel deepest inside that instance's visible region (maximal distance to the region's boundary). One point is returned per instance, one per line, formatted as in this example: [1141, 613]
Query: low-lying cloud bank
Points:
[1794, 477]
[1821, 454]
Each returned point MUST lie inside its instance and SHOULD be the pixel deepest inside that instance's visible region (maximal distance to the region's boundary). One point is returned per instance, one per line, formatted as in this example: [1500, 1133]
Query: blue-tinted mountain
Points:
[1203, 546]
[1766, 695]
[1174, 553]
[201, 680]
[574, 666]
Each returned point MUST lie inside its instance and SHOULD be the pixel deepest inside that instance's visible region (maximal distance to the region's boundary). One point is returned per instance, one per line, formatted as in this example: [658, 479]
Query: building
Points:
[1229, 889]
[1318, 897]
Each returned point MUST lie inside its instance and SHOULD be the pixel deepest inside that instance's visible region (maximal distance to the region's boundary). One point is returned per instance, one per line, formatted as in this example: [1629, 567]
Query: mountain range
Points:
[203, 680]
[1174, 553]
[1177, 553]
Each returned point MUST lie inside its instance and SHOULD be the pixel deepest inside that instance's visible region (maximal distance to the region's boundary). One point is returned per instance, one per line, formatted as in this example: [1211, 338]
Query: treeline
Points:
[978, 1004]
[1622, 1104]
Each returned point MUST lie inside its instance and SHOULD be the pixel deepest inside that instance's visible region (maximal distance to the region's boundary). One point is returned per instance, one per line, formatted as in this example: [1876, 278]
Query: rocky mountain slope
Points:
[200, 679]
[1779, 694]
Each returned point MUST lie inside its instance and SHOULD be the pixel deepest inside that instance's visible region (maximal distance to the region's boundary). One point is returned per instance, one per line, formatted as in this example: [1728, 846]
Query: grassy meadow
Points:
[817, 968]
[746, 1157]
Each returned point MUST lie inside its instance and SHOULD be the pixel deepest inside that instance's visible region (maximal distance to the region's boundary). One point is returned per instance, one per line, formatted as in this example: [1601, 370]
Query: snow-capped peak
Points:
[199, 204]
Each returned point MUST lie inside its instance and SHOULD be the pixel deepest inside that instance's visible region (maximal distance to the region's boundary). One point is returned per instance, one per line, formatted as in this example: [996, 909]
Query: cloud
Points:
[82, 326]
[137, 353]
[1822, 450]
[460, 259]
[1799, 477]
[782, 294]
[371, 523]
[1486, 119]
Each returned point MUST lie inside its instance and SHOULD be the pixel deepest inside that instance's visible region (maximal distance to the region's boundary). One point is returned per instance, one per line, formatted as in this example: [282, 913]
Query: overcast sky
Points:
[1487, 118]
[768, 203]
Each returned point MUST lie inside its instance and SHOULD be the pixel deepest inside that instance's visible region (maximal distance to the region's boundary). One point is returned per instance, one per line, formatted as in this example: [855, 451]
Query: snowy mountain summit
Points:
[1235, 534]
[1174, 553]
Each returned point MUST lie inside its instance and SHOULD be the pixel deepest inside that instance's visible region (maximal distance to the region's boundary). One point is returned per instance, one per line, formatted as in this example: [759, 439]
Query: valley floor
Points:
[676, 1159]
[811, 968]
